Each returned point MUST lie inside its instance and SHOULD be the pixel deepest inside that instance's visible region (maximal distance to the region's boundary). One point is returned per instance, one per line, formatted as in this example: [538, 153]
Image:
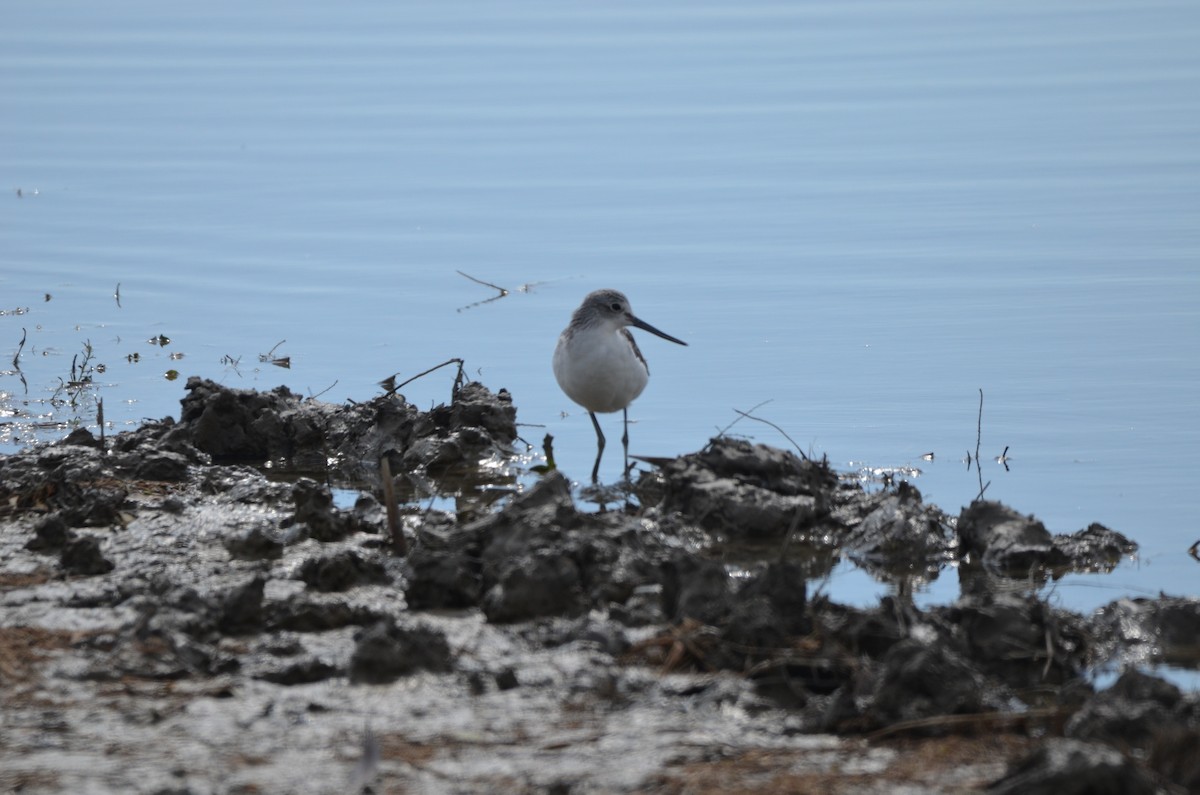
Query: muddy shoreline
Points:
[174, 618]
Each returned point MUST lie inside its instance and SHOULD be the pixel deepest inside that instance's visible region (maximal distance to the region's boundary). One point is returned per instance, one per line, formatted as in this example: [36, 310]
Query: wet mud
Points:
[185, 608]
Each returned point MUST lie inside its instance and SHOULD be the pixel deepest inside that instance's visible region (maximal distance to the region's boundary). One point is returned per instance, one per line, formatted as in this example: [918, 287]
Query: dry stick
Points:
[399, 545]
[979, 425]
[976, 721]
[460, 380]
[503, 292]
[323, 391]
[393, 389]
[776, 427]
[721, 432]
[100, 419]
[978, 436]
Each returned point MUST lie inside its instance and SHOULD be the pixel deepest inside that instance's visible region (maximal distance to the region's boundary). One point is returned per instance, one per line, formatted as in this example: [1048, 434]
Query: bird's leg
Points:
[625, 439]
[599, 447]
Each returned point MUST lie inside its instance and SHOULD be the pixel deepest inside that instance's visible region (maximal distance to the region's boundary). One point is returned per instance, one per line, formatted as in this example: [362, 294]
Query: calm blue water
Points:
[862, 212]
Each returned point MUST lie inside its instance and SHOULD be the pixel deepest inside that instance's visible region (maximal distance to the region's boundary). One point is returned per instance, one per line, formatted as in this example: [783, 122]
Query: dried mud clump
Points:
[242, 425]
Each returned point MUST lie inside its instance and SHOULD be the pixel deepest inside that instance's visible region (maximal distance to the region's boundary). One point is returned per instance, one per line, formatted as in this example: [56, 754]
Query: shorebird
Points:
[599, 366]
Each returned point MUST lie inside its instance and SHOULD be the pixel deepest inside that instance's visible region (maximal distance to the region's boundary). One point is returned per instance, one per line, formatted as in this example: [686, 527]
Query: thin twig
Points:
[501, 292]
[978, 437]
[979, 425]
[973, 721]
[391, 387]
[722, 431]
[750, 416]
[323, 391]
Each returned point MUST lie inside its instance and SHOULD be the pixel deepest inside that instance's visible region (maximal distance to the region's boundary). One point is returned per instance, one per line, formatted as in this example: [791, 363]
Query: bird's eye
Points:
[615, 306]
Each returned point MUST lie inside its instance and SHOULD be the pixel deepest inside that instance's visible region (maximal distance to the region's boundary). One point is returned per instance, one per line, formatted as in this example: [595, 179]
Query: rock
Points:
[162, 466]
[475, 406]
[1166, 629]
[73, 481]
[242, 608]
[314, 509]
[341, 571]
[742, 489]
[1095, 548]
[1007, 543]
[696, 588]
[299, 672]
[156, 436]
[1150, 717]
[781, 585]
[1011, 635]
[384, 652]
[237, 424]
[83, 556]
[767, 614]
[50, 534]
[1173, 756]
[543, 584]
[315, 615]
[1004, 541]
[439, 456]
[256, 543]
[870, 632]
[82, 437]
[1133, 685]
[901, 533]
[443, 577]
[529, 567]
[919, 680]
[1071, 767]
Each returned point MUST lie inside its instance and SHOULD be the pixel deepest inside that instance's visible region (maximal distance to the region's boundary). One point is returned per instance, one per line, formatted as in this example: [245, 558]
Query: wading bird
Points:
[599, 366]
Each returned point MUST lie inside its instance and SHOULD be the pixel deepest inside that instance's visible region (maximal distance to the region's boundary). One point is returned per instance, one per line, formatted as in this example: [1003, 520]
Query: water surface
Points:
[864, 213]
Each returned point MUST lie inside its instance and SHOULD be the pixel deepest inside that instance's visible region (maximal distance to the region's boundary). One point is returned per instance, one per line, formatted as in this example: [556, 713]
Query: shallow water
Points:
[863, 213]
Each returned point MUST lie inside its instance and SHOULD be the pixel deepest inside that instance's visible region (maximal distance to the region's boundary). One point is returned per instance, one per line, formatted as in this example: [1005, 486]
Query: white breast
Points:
[599, 370]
